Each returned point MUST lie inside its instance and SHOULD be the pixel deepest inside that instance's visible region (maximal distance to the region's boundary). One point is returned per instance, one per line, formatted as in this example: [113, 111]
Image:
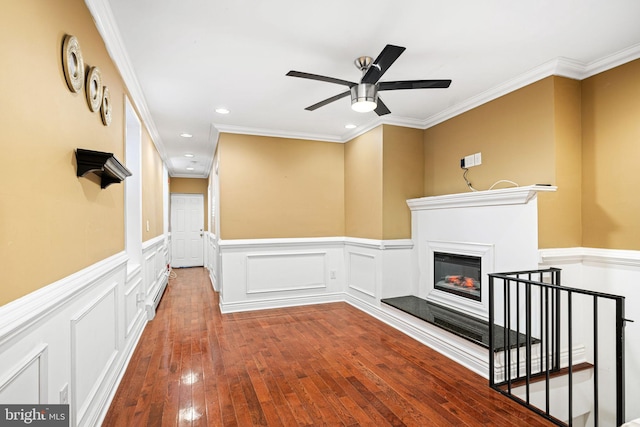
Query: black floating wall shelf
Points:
[105, 165]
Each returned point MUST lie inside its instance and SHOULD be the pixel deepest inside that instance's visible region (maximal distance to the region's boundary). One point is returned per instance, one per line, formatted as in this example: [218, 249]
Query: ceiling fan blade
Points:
[381, 109]
[328, 101]
[321, 78]
[382, 63]
[414, 84]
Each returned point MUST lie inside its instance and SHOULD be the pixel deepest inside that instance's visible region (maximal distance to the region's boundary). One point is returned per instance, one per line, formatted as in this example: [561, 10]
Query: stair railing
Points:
[532, 332]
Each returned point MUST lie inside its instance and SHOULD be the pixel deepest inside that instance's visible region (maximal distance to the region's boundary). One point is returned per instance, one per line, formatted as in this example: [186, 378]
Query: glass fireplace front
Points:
[457, 274]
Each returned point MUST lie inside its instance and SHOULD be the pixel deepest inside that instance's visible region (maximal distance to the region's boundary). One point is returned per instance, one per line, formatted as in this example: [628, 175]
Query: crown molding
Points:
[560, 66]
[565, 67]
[275, 133]
[108, 29]
[346, 137]
[608, 62]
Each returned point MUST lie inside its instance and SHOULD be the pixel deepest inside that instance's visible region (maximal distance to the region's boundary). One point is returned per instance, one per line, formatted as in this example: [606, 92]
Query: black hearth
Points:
[460, 324]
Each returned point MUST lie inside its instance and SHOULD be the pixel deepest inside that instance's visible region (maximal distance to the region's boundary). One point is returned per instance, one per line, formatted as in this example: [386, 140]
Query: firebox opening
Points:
[457, 274]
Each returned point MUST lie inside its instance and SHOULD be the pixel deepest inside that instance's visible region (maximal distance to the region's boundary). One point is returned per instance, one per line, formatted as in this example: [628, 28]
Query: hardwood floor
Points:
[327, 364]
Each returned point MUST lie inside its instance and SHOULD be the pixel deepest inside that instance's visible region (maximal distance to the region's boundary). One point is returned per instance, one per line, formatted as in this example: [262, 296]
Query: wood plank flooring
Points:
[327, 364]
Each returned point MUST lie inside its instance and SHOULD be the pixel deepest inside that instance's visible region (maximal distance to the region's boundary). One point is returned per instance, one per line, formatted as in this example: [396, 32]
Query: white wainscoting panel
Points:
[78, 332]
[271, 273]
[132, 305]
[149, 271]
[362, 273]
[397, 274]
[212, 257]
[295, 271]
[155, 272]
[94, 348]
[27, 381]
[379, 269]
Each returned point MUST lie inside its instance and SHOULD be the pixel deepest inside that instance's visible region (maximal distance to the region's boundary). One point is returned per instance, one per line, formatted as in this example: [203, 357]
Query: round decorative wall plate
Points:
[94, 89]
[105, 109]
[72, 63]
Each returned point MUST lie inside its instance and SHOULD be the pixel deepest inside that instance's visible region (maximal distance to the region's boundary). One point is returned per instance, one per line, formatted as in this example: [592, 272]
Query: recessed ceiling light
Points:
[188, 155]
[350, 126]
[222, 111]
[186, 135]
[190, 168]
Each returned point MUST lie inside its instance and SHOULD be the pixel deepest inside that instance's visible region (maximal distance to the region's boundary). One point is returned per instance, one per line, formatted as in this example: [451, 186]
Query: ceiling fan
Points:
[364, 95]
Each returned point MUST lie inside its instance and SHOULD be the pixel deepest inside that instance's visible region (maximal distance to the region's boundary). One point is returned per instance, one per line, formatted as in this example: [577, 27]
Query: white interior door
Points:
[187, 230]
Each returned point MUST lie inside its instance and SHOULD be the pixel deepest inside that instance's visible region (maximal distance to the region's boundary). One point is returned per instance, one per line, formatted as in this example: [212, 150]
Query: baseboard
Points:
[213, 280]
[467, 354]
[152, 305]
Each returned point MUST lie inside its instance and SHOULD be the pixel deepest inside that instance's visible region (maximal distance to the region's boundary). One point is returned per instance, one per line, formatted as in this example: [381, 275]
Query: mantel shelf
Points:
[505, 196]
[104, 165]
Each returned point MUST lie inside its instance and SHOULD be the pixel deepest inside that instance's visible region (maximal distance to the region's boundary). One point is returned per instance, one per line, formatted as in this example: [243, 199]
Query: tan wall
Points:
[363, 185]
[611, 151]
[192, 186]
[514, 133]
[53, 223]
[403, 170]
[152, 189]
[560, 213]
[529, 136]
[280, 188]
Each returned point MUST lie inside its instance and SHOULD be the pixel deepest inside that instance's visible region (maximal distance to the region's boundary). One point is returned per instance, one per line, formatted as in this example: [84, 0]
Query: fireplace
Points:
[458, 274]
[483, 232]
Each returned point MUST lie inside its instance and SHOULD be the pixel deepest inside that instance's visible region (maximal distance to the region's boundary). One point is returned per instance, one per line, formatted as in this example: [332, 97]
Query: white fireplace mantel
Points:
[505, 196]
[499, 226]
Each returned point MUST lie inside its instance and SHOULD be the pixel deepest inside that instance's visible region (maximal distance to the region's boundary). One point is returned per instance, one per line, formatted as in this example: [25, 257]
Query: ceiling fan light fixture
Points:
[364, 97]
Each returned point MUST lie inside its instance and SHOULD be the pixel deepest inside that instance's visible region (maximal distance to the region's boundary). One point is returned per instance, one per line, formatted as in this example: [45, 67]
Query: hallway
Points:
[325, 364]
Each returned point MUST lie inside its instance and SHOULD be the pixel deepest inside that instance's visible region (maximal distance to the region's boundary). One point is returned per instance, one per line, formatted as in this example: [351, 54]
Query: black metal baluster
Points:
[518, 286]
[492, 381]
[541, 325]
[570, 349]
[595, 361]
[620, 417]
[507, 334]
[546, 354]
[557, 338]
[528, 339]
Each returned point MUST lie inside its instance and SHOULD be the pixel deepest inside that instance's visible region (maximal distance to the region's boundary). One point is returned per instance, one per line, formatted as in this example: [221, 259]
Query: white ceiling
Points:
[183, 59]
